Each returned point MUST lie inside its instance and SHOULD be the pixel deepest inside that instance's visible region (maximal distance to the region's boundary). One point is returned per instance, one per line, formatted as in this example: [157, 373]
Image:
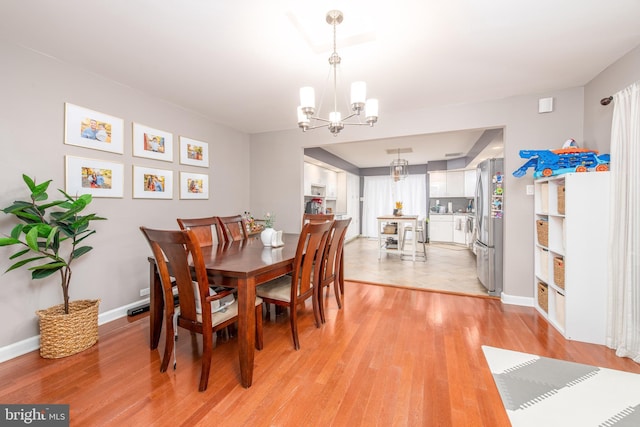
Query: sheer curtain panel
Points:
[381, 193]
[623, 331]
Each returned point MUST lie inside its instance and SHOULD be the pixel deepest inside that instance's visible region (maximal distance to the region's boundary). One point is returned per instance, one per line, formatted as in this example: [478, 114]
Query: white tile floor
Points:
[448, 267]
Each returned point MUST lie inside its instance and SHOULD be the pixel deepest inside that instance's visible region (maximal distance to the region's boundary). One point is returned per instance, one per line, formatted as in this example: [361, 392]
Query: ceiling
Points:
[240, 63]
[419, 149]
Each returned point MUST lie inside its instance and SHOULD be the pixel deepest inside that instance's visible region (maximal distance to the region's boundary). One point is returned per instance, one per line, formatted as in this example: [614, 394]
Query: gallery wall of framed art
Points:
[94, 130]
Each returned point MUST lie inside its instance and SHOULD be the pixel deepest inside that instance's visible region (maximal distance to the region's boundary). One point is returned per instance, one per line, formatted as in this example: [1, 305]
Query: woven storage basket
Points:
[390, 229]
[561, 199]
[542, 227]
[62, 335]
[558, 271]
[543, 297]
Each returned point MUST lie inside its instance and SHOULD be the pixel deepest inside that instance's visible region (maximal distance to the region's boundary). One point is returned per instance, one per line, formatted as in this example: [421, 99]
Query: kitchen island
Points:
[390, 233]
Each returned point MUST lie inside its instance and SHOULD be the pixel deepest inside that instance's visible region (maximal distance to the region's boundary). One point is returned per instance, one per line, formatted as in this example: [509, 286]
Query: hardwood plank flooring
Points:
[390, 357]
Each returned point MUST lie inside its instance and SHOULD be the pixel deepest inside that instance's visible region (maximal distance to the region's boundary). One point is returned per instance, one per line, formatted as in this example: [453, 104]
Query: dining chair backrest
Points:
[314, 218]
[312, 241]
[177, 253]
[234, 228]
[330, 271]
[293, 290]
[173, 250]
[205, 229]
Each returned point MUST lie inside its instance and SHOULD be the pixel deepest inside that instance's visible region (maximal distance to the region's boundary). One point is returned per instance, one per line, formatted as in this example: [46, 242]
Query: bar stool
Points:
[419, 236]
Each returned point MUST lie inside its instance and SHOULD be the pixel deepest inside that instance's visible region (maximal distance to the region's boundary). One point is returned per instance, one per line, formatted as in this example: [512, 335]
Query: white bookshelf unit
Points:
[578, 241]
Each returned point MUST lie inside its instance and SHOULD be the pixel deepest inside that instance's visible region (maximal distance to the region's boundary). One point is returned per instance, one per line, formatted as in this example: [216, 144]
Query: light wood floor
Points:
[390, 357]
[448, 267]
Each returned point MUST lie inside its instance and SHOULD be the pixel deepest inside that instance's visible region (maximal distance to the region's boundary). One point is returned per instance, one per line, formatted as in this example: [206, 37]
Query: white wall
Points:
[613, 79]
[34, 89]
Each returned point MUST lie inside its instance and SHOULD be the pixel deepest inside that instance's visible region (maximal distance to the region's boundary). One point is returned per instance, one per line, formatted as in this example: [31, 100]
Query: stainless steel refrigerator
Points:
[489, 216]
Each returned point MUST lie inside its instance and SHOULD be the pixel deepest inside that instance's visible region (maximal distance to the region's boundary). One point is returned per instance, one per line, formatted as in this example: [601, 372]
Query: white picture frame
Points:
[152, 183]
[96, 177]
[194, 186]
[92, 129]
[194, 152]
[152, 143]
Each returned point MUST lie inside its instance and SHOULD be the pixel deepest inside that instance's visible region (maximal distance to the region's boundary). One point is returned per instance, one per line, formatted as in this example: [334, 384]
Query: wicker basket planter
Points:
[63, 335]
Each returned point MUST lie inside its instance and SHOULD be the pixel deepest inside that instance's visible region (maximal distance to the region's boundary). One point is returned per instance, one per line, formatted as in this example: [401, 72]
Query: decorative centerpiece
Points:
[267, 234]
[398, 210]
[70, 327]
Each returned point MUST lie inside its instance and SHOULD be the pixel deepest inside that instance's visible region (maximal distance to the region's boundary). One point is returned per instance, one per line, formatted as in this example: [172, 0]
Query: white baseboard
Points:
[516, 300]
[31, 344]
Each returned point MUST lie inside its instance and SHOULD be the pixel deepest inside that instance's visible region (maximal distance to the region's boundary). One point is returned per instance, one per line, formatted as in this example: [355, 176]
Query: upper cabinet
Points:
[449, 184]
[437, 184]
[455, 184]
[333, 187]
[470, 177]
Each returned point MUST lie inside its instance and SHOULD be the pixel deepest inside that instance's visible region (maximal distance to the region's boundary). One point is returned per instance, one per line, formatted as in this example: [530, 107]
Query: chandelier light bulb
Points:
[371, 111]
[308, 100]
[358, 96]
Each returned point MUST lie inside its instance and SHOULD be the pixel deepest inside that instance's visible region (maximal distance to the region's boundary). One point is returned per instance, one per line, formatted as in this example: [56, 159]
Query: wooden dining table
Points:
[242, 265]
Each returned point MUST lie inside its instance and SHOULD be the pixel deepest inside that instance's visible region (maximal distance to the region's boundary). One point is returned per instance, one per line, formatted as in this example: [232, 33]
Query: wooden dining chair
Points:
[293, 291]
[234, 228]
[204, 229]
[177, 253]
[331, 263]
[314, 218]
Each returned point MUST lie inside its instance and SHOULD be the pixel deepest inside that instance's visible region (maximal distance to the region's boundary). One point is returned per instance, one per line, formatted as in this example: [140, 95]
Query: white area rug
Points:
[539, 391]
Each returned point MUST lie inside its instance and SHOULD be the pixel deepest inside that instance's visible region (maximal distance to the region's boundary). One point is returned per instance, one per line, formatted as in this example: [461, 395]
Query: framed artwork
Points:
[195, 153]
[150, 183]
[152, 143]
[194, 186]
[95, 177]
[91, 129]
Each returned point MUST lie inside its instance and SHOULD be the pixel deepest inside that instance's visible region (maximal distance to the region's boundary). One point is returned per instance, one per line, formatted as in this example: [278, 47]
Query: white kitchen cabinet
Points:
[316, 177]
[570, 283]
[447, 184]
[331, 181]
[455, 184]
[441, 228]
[470, 177]
[437, 184]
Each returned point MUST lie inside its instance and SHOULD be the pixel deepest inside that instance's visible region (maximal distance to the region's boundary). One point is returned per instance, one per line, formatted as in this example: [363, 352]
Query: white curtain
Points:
[623, 332]
[381, 193]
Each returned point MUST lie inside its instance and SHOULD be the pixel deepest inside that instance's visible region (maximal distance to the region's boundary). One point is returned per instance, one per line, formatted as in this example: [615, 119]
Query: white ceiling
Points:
[241, 62]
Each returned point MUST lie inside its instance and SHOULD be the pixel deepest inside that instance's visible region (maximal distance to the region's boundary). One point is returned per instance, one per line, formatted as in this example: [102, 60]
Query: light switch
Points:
[529, 190]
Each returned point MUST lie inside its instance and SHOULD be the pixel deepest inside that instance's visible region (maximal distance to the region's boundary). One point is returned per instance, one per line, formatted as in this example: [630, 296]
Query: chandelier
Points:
[399, 169]
[335, 122]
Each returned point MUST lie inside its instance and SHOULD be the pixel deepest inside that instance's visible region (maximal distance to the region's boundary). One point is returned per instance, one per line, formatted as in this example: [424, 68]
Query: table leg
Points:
[156, 305]
[246, 328]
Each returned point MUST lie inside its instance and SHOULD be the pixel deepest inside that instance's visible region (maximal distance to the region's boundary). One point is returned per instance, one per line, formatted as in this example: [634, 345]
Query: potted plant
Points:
[50, 236]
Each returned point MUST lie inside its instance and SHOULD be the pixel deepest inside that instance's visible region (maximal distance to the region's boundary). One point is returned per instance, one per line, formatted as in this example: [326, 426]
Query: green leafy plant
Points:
[46, 237]
[269, 219]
